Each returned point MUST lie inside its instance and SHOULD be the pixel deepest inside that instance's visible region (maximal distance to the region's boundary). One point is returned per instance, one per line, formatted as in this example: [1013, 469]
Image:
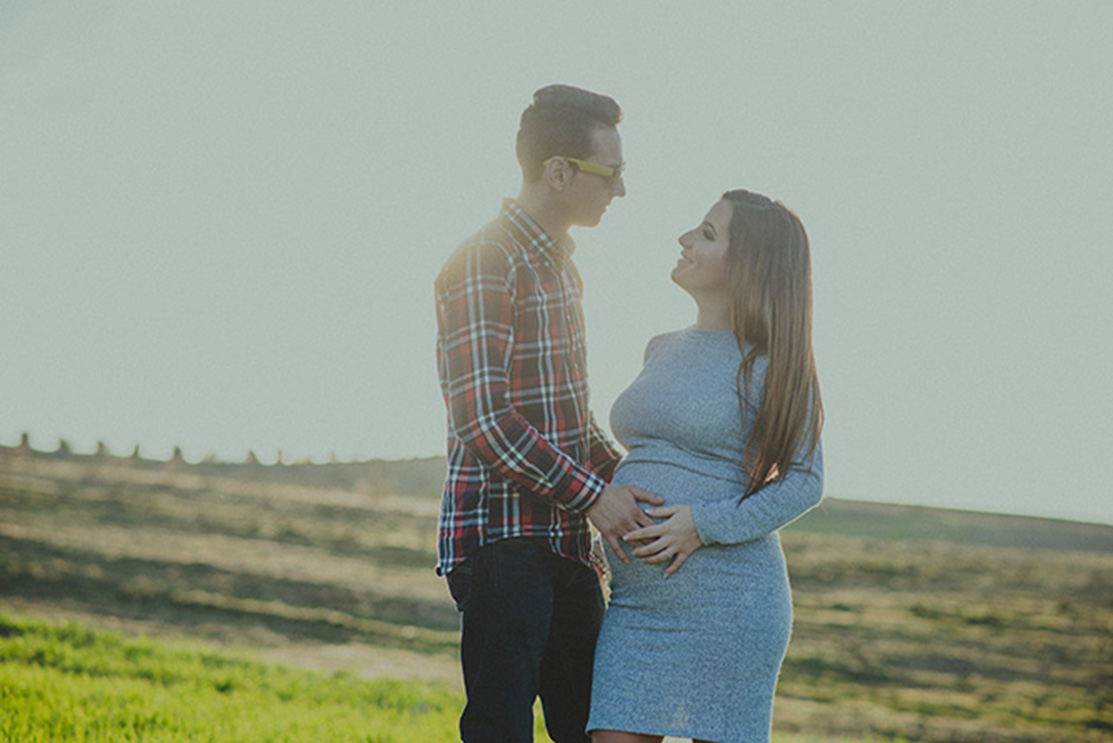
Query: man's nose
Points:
[620, 188]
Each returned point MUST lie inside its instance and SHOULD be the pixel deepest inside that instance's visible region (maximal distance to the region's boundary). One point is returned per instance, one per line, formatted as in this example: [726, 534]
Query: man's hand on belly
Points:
[615, 514]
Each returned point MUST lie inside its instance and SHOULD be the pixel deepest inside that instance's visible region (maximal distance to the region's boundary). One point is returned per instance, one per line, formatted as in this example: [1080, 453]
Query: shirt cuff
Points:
[586, 495]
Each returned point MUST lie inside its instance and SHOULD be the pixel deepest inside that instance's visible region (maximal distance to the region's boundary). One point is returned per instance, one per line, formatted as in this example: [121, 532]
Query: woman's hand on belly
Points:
[670, 541]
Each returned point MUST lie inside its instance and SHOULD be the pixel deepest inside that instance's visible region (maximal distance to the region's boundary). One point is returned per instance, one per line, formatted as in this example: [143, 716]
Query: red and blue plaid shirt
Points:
[525, 455]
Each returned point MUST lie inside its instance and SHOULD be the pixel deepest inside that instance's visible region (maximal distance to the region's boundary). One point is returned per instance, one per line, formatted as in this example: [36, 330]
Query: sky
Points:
[220, 222]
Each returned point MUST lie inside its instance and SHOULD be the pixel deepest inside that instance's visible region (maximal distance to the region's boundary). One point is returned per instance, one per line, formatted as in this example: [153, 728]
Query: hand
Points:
[616, 513]
[671, 540]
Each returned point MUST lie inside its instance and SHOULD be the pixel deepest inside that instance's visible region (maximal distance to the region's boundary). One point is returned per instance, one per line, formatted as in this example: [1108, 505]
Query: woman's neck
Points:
[713, 315]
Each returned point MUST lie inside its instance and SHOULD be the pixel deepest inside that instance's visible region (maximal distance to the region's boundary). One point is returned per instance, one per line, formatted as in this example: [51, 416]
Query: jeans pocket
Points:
[459, 585]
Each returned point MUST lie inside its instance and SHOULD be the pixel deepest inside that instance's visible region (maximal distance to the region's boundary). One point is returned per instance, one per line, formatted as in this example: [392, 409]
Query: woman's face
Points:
[702, 268]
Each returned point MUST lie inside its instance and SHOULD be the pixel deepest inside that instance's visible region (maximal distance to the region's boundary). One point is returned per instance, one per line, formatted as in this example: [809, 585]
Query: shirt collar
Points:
[533, 237]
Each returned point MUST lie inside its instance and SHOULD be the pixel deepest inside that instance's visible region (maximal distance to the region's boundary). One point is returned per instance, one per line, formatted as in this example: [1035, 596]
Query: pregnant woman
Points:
[724, 422]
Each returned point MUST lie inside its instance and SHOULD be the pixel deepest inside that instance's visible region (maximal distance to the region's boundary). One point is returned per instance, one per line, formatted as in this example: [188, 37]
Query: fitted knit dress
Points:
[697, 655]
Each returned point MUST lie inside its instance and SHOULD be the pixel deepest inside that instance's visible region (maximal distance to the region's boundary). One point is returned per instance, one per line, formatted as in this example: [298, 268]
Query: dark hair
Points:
[562, 121]
[769, 268]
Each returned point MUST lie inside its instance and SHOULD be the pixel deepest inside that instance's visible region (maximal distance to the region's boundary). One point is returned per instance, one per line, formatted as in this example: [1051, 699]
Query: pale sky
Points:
[220, 222]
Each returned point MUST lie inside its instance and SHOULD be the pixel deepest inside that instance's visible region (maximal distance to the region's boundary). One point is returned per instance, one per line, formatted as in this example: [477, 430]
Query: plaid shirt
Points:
[525, 455]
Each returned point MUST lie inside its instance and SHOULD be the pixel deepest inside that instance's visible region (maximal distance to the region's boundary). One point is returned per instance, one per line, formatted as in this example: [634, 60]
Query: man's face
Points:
[589, 194]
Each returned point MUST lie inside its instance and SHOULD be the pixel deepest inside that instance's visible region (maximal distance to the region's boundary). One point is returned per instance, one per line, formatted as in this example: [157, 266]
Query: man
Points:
[527, 464]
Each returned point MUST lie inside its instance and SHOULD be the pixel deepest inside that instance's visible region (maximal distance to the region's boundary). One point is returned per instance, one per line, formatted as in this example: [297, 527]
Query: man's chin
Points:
[591, 221]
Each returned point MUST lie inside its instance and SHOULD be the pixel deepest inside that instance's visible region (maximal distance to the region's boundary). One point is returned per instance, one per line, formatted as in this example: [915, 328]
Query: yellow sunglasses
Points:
[612, 175]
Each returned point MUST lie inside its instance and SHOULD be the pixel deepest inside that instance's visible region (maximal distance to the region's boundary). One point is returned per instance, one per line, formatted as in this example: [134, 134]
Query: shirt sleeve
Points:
[475, 314]
[778, 504]
[604, 454]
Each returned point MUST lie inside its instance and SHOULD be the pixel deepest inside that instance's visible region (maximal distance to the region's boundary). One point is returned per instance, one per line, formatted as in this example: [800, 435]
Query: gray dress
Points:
[697, 655]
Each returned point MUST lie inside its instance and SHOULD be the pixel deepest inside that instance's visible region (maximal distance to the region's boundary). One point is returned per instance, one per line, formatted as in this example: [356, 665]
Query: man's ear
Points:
[558, 173]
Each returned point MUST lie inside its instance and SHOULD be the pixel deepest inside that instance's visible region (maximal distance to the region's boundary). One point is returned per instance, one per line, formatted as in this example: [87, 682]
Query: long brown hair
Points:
[771, 310]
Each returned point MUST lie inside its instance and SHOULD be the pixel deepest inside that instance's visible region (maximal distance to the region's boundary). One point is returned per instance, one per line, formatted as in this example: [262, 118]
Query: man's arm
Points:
[476, 317]
[604, 455]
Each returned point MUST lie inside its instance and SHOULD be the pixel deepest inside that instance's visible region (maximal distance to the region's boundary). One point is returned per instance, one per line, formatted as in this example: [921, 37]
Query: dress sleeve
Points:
[784, 500]
[475, 316]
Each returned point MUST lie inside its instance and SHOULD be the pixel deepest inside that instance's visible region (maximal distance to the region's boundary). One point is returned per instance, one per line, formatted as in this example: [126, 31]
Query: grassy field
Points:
[67, 683]
[911, 624]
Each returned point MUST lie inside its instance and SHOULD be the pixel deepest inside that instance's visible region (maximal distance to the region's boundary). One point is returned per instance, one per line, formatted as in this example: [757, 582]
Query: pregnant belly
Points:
[717, 575]
[680, 484]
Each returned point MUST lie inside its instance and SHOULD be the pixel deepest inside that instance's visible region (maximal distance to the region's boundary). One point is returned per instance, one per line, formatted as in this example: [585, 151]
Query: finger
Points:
[662, 556]
[651, 548]
[663, 512]
[656, 551]
[645, 532]
[675, 564]
[616, 547]
[646, 496]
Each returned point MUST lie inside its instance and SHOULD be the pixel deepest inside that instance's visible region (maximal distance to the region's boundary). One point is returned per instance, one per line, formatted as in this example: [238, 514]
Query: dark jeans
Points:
[529, 628]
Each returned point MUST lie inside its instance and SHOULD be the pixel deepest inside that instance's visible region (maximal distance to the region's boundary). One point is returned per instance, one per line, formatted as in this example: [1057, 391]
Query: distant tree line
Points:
[422, 476]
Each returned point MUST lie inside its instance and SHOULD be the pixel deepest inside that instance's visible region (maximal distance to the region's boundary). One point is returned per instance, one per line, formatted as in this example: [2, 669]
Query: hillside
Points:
[911, 622]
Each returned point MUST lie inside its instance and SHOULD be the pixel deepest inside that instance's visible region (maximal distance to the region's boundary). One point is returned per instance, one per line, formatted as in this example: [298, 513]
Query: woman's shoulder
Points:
[660, 342]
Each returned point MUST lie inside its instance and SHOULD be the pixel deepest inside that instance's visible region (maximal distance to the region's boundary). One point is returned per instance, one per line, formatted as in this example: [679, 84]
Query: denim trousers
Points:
[530, 621]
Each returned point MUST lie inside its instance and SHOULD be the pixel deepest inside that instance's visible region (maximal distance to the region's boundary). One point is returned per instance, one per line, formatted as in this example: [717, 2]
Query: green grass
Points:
[64, 682]
[68, 683]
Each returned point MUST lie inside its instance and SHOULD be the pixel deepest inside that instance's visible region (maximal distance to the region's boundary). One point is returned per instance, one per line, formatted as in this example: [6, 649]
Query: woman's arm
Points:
[726, 521]
[769, 509]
